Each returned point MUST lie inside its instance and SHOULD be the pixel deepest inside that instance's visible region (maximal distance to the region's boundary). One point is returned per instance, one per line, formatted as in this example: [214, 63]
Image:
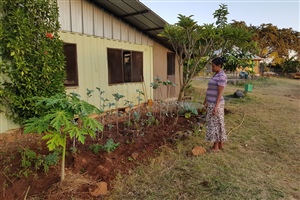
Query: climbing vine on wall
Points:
[32, 60]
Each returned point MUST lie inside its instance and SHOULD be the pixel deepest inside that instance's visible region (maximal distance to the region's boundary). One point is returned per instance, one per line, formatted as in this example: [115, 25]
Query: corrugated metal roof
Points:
[137, 15]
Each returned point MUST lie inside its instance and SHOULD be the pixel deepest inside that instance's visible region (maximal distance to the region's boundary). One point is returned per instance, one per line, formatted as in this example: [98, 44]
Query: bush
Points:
[33, 62]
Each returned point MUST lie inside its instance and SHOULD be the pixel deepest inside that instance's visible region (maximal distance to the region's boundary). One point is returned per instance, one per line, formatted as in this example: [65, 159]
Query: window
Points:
[70, 51]
[171, 63]
[124, 66]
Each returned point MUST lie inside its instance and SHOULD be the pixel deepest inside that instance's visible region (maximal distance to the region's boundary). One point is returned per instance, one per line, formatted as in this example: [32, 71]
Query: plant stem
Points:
[63, 159]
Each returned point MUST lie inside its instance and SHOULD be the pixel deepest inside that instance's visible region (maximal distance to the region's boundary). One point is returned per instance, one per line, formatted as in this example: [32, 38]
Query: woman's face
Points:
[215, 68]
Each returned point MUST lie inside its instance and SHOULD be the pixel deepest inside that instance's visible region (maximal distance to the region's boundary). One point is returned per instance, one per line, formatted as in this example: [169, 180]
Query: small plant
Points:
[109, 113]
[150, 118]
[102, 107]
[130, 105]
[188, 110]
[96, 147]
[117, 99]
[57, 124]
[110, 145]
[30, 159]
[88, 94]
[137, 114]
[136, 119]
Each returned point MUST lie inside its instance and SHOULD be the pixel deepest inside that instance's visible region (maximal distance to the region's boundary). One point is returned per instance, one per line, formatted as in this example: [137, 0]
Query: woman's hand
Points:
[215, 111]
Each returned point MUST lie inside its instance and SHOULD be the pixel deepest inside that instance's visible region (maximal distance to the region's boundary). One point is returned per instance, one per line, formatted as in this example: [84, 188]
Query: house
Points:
[255, 68]
[113, 45]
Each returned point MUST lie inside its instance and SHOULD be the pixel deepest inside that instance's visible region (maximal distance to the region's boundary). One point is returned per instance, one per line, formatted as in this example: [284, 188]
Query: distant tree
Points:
[276, 43]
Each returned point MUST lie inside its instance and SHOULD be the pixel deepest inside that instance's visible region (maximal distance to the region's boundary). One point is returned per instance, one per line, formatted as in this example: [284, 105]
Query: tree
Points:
[276, 43]
[291, 65]
[195, 46]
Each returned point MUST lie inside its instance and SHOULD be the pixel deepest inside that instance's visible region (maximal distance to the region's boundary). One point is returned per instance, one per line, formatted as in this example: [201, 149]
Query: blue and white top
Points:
[219, 79]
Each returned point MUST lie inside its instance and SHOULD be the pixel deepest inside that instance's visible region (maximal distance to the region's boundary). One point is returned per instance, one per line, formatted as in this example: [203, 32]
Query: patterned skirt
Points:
[215, 126]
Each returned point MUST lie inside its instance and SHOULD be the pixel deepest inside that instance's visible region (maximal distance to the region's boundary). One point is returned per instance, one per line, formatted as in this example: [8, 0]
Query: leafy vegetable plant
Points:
[110, 145]
[58, 122]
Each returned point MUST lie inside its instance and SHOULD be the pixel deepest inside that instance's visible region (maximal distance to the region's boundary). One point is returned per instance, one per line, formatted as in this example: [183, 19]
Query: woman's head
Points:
[217, 63]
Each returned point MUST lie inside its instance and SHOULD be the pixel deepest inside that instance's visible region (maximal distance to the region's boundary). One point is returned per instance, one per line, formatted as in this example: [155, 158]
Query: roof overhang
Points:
[137, 15]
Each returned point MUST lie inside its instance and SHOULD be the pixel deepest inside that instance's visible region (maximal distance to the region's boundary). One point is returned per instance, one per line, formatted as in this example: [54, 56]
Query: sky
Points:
[280, 13]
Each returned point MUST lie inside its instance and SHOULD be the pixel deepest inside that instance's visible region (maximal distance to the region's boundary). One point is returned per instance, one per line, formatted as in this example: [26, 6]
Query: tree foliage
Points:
[32, 55]
[196, 45]
[276, 43]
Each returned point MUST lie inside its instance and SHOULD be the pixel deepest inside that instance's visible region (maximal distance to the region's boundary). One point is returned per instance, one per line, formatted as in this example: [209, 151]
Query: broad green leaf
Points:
[74, 131]
[92, 124]
[34, 125]
[60, 119]
[54, 140]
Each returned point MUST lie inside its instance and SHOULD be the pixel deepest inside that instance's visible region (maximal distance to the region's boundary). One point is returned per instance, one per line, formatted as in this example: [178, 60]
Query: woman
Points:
[214, 102]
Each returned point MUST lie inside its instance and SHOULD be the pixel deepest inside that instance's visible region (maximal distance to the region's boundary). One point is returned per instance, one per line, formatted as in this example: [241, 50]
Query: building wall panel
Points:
[88, 18]
[76, 16]
[131, 34]
[82, 16]
[98, 23]
[116, 29]
[107, 23]
[93, 69]
[65, 16]
[124, 32]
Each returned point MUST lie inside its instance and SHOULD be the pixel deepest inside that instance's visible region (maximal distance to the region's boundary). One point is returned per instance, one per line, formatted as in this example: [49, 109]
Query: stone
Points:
[198, 150]
[134, 155]
[99, 189]
[102, 169]
[239, 94]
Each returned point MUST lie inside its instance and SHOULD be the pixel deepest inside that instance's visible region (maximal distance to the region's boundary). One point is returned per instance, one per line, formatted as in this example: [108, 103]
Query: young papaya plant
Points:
[57, 124]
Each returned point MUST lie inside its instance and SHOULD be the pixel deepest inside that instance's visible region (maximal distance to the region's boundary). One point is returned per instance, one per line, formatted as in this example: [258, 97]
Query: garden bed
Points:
[87, 166]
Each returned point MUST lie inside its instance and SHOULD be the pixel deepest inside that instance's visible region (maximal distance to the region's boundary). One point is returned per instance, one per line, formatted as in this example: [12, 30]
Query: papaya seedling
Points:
[57, 122]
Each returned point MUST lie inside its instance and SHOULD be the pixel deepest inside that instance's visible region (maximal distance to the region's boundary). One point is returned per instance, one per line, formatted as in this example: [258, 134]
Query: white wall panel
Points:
[138, 38]
[82, 16]
[65, 14]
[116, 29]
[107, 22]
[124, 32]
[146, 40]
[76, 15]
[131, 35]
[88, 18]
[98, 22]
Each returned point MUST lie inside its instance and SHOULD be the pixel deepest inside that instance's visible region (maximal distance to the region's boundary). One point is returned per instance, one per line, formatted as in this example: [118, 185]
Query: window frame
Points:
[124, 66]
[71, 65]
[170, 63]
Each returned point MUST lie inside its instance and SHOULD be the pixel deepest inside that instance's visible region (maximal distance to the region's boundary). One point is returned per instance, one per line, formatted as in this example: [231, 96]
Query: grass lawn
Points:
[261, 159]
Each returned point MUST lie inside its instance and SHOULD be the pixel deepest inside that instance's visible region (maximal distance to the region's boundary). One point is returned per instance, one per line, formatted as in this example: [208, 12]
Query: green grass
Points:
[261, 158]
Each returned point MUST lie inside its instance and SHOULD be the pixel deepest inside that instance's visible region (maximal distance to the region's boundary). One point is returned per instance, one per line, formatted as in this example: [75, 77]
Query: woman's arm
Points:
[219, 96]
